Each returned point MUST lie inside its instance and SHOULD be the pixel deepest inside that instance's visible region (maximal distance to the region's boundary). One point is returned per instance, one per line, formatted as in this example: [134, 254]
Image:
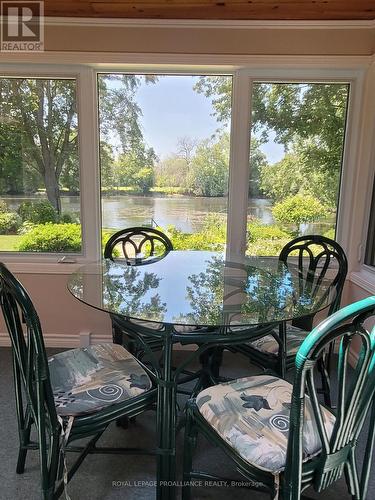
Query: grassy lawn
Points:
[9, 242]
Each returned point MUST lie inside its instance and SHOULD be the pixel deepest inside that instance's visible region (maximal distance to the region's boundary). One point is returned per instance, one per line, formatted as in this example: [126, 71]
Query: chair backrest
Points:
[30, 361]
[317, 259]
[355, 394]
[138, 245]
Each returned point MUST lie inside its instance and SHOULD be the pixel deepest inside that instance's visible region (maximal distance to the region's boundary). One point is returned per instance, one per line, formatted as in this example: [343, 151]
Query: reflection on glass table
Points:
[195, 297]
[200, 288]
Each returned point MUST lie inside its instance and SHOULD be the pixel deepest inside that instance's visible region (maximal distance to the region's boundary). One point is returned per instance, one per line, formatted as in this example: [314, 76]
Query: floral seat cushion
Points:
[294, 338]
[88, 379]
[252, 415]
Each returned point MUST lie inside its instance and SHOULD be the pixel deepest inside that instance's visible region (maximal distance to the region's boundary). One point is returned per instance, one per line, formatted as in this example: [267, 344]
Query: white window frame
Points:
[86, 98]
[245, 70]
[241, 133]
[361, 274]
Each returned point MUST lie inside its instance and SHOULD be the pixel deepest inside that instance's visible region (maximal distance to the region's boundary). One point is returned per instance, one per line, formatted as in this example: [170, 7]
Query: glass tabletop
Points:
[201, 288]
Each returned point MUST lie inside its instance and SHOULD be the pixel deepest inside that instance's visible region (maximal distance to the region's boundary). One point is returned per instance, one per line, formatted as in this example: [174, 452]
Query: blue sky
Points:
[172, 109]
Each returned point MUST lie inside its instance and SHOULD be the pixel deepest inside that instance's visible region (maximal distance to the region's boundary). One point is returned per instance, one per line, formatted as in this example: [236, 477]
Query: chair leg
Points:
[24, 441]
[125, 421]
[368, 457]
[216, 361]
[50, 468]
[24, 421]
[189, 446]
[120, 338]
[352, 479]
[116, 334]
[204, 359]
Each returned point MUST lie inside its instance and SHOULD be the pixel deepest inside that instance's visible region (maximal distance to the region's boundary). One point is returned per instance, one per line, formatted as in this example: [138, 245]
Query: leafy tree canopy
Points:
[44, 111]
[307, 119]
[208, 175]
[42, 128]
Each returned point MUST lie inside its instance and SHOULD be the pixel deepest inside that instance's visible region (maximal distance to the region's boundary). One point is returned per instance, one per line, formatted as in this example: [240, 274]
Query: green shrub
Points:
[169, 189]
[266, 247]
[195, 241]
[3, 207]
[330, 233]
[299, 209]
[68, 218]
[212, 236]
[37, 212]
[257, 231]
[25, 227]
[106, 234]
[10, 222]
[52, 238]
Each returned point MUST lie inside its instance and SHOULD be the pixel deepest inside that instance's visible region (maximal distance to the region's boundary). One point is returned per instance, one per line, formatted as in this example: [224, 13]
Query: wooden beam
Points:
[215, 9]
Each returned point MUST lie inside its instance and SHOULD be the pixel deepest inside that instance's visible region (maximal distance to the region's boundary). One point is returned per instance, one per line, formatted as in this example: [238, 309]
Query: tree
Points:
[299, 209]
[136, 168]
[70, 174]
[308, 119]
[11, 169]
[45, 111]
[185, 148]
[135, 293]
[107, 161]
[258, 163]
[291, 176]
[119, 112]
[208, 175]
[219, 90]
[172, 171]
[120, 124]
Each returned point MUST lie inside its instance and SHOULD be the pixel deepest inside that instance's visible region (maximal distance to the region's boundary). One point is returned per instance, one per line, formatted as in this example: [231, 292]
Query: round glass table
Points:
[196, 297]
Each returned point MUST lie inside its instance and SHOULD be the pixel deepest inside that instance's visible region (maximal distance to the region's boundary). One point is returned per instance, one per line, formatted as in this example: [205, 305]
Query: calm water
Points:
[186, 213]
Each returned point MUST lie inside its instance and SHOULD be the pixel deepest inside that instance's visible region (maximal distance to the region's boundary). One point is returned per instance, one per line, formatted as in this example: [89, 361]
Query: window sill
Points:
[365, 278]
[43, 267]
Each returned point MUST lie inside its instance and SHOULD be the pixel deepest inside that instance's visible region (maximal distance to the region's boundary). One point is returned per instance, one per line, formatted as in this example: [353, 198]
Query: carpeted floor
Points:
[110, 477]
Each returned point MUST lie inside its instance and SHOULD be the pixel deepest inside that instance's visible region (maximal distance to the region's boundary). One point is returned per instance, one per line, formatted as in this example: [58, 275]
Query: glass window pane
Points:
[164, 154]
[39, 166]
[296, 151]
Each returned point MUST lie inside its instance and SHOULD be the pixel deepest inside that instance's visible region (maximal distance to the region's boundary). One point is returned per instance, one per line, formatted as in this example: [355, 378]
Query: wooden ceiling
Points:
[215, 9]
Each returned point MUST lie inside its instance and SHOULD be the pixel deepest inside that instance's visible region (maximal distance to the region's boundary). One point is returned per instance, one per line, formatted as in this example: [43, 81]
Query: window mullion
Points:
[239, 166]
[89, 155]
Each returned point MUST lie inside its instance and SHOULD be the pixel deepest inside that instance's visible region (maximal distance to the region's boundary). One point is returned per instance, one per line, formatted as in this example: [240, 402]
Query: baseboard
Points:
[69, 341]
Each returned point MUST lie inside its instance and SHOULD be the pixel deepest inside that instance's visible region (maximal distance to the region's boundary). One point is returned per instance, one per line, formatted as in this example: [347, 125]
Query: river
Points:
[184, 212]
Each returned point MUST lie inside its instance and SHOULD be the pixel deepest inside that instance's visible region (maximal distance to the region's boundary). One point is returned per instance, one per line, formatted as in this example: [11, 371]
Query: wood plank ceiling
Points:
[215, 9]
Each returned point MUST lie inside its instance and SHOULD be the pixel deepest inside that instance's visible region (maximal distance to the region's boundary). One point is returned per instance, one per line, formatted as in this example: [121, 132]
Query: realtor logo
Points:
[22, 26]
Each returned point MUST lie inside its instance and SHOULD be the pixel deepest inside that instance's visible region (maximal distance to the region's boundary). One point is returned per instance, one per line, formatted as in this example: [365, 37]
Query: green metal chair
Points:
[52, 397]
[311, 259]
[283, 440]
[136, 246]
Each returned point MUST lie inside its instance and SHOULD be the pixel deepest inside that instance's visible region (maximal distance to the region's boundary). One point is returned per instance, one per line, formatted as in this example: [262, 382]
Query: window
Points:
[39, 166]
[85, 152]
[296, 151]
[164, 156]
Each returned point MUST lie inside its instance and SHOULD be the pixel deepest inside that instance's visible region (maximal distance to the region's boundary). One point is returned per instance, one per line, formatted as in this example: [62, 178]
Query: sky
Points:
[172, 109]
